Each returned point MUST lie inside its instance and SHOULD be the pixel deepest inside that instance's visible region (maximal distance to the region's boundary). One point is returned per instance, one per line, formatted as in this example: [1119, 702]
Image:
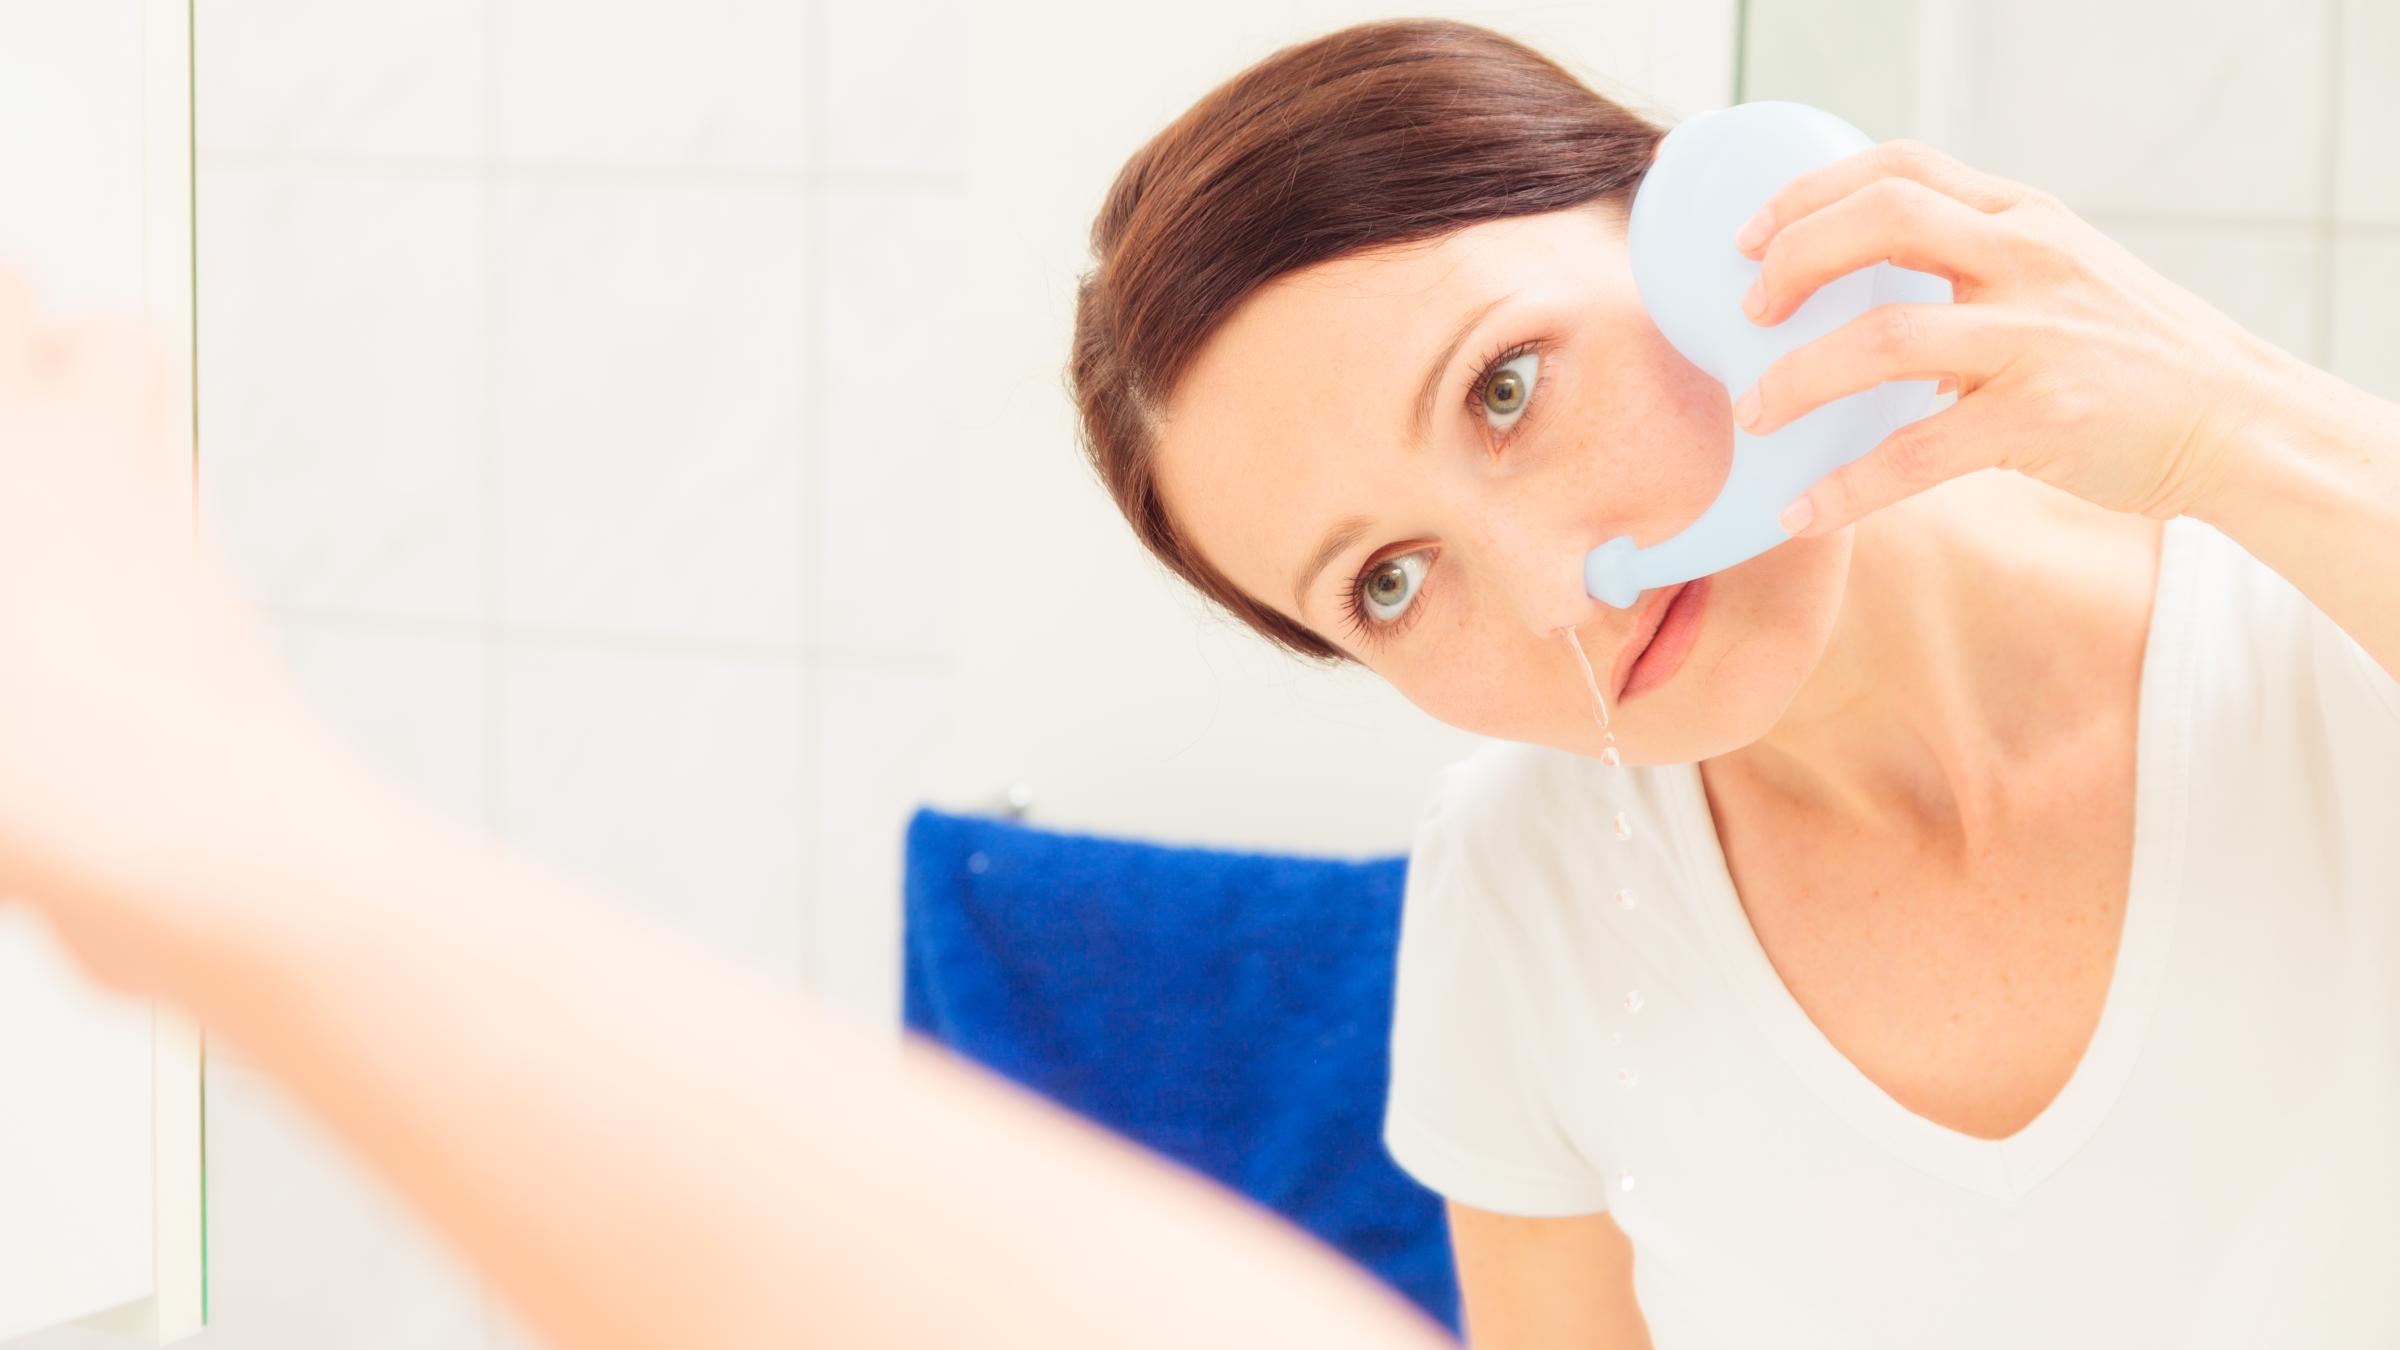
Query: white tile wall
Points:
[342, 354]
[885, 55]
[2368, 162]
[307, 1249]
[2366, 310]
[671, 777]
[2204, 107]
[695, 82]
[349, 79]
[412, 699]
[649, 424]
[888, 419]
[578, 390]
[881, 728]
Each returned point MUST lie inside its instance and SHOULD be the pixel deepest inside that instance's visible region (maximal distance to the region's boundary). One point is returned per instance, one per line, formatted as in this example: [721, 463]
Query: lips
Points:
[1645, 627]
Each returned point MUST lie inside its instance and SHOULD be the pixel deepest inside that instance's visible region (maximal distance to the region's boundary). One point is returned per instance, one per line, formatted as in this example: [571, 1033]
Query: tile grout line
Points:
[603, 640]
[2202, 220]
[2329, 186]
[488, 425]
[812, 449]
[487, 433]
[348, 162]
[374, 164]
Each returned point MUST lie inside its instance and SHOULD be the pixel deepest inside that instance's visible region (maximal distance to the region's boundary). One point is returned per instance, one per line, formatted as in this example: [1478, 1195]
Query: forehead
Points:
[1307, 388]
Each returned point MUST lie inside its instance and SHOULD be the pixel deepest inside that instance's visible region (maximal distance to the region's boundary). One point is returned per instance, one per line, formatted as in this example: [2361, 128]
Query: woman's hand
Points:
[143, 720]
[2074, 362]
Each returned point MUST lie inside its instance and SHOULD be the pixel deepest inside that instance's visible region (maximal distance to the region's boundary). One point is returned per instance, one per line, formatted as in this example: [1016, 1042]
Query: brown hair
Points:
[1379, 134]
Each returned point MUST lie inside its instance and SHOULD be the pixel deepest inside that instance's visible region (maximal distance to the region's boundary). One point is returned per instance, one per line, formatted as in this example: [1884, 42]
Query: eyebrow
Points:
[1345, 532]
[1432, 387]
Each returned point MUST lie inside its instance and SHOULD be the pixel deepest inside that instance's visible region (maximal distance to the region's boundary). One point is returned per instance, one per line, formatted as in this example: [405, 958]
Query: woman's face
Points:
[1558, 417]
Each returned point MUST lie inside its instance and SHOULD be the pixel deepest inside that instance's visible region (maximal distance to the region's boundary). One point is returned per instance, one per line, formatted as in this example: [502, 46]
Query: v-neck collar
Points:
[2004, 1169]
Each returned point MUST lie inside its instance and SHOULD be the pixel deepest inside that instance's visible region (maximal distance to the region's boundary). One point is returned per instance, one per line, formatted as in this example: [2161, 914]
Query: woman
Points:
[1988, 936]
[638, 1146]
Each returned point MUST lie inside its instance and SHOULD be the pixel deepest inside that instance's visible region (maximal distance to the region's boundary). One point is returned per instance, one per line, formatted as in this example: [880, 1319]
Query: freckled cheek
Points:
[1476, 689]
[1669, 448]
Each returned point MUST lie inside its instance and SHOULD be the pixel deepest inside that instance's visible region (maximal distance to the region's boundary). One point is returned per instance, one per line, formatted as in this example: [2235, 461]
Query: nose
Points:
[1536, 577]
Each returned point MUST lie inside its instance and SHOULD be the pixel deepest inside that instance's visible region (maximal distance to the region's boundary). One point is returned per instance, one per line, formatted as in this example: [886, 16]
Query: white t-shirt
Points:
[2223, 1168]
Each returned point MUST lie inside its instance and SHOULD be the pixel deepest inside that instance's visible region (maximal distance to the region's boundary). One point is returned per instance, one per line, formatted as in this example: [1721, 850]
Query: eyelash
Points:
[1371, 634]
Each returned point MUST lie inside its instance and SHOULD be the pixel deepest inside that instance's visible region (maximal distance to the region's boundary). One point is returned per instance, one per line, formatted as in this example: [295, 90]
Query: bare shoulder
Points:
[1529, 1282]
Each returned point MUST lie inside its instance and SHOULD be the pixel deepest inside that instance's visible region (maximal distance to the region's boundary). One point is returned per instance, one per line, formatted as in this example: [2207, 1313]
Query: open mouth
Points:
[1669, 626]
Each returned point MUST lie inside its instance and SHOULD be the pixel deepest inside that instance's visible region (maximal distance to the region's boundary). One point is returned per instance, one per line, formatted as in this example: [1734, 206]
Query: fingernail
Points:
[1795, 517]
[1745, 409]
[1754, 230]
[1754, 302]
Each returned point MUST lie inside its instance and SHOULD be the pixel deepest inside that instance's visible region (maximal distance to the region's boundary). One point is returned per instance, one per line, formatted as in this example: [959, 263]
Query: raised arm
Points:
[640, 1146]
[637, 1146]
[2313, 491]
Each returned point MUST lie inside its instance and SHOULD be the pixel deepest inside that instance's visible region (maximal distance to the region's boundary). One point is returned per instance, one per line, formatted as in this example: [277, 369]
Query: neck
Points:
[1961, 659]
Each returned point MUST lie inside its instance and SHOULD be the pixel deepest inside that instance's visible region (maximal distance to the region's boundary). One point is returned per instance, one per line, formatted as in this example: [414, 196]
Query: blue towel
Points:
[1231, 1010]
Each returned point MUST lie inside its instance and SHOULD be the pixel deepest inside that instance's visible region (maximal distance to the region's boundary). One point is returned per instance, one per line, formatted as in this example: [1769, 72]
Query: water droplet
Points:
[1609, 736]
[977, 863]
[1616, 1038]
[1633, 1000]
[1625, 899]
[1625, 1076]
[1624, 826]
[1610, 757]
[1625, 1183]
[1591, 681]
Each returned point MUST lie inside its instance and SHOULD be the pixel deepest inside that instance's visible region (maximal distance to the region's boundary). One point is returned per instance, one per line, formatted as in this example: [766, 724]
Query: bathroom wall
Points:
[578, 390]
[2245, 155]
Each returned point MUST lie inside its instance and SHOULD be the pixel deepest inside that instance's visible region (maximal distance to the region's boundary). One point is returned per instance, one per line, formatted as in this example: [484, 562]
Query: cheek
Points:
[1768, 625]
[1770, 620]
[1501, 689]
[1680, 424]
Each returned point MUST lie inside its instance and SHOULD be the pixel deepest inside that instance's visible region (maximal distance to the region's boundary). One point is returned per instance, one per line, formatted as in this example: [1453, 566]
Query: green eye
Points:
[1506, 392]
[1508, 388]
[1385, 590]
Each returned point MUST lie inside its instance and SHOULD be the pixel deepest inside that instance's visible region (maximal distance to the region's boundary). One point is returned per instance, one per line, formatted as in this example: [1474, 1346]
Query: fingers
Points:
[1928, 451]
[1888, 342]
[1903, 158]
[1895, 219]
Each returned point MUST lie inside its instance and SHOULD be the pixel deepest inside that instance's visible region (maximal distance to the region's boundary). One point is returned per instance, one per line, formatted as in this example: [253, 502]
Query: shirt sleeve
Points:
[1467, 1113]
